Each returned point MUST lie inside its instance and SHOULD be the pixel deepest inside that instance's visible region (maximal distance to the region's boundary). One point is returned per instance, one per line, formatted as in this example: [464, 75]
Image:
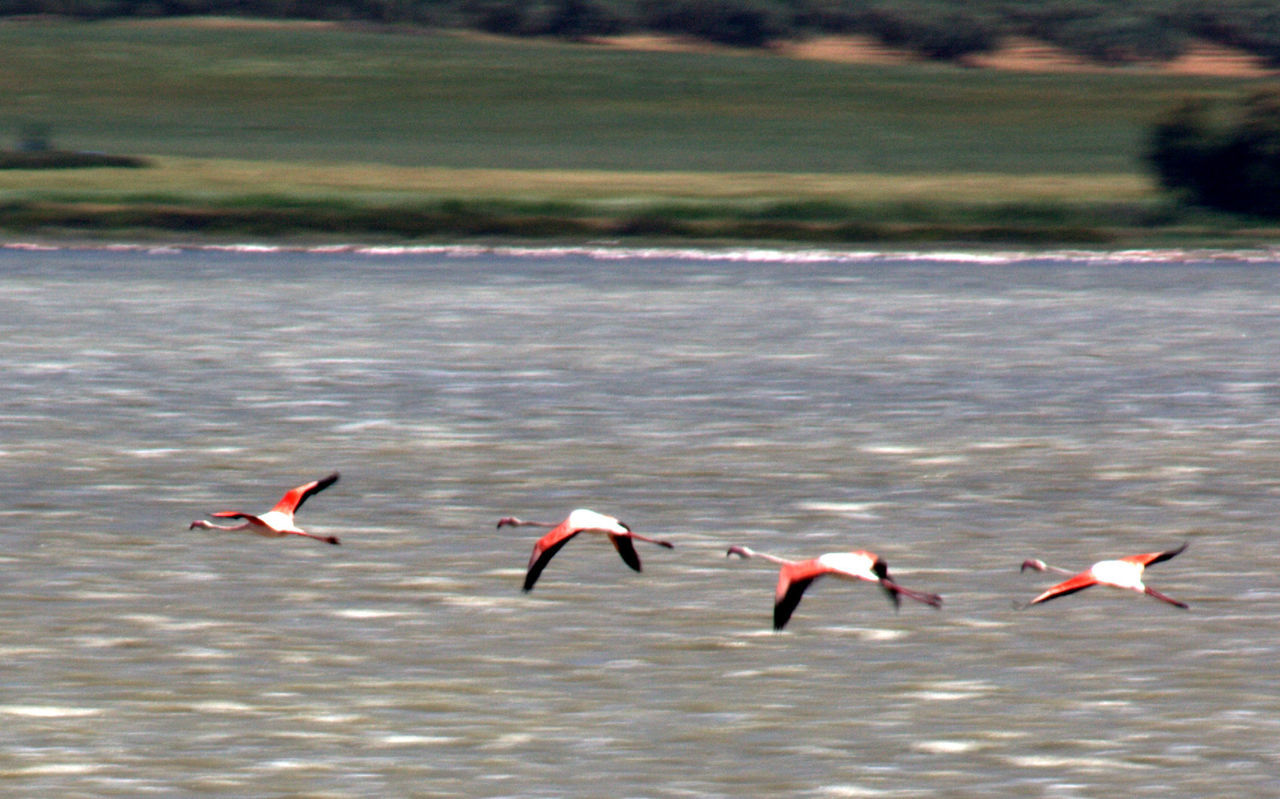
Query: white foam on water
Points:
[945, 747]
[367, 613]
[59, 770]
[223, 706]
[47, 711]
[744, 254]
[1092, 764]
[850, 791]
[850, 510]
[415, 740]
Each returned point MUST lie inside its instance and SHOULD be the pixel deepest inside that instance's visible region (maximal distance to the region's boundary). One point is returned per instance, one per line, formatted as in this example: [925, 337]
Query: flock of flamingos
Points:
[793, 578]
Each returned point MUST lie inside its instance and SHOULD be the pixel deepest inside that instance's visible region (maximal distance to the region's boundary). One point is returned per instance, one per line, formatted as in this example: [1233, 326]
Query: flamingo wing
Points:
[793, 580]
[1155, 557]
[293, 499]
[1078, 583]
[787, 599]
[544, 551]
[627, 549]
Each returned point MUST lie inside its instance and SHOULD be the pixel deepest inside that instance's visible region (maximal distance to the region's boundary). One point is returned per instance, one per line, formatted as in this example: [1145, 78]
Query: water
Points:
[955, 415]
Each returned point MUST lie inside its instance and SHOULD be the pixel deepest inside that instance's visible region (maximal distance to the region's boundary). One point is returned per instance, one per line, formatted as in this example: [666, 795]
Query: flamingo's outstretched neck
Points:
[515, 521]
[748, 552]
[1041, 566]
[201, 524]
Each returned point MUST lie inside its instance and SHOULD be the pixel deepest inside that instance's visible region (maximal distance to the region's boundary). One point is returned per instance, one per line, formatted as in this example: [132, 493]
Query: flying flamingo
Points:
[277, 522]
[1122, 573]
[579, 521]
[795, 577]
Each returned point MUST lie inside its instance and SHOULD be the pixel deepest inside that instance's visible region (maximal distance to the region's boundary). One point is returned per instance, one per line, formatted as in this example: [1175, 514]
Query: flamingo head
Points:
[1033, 563]
[742, 552]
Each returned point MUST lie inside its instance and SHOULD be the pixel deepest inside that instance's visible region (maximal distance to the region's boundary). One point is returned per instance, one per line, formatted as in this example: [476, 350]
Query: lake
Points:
[953, 413]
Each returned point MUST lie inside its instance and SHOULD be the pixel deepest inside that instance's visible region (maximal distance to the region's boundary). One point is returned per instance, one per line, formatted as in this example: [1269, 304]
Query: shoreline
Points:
[790, 222]
[216, 199]
[614, 251]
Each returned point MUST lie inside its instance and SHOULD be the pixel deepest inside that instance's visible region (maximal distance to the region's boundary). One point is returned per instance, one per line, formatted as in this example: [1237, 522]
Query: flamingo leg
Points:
[1149, 591]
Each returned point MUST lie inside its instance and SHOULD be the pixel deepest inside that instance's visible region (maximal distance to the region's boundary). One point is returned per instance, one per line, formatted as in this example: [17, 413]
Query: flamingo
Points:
[1122, 573]
[579, 521]
[795, 576]
[277, 522]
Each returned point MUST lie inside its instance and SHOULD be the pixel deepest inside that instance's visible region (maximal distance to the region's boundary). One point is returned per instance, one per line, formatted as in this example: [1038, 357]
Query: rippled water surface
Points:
[954, 417]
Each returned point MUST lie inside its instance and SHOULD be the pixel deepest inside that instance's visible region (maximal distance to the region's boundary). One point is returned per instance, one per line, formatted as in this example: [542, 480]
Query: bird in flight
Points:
[579, 521]
[796, 576]
[277, 522]
[1122, 573]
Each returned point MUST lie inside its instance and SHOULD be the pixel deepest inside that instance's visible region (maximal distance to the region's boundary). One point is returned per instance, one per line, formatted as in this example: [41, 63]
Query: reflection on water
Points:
[955, 416]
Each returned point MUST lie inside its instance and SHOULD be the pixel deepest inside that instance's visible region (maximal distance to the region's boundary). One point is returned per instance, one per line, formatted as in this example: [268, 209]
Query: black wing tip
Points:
[531, 577]
[627, 550]
[1169, 553]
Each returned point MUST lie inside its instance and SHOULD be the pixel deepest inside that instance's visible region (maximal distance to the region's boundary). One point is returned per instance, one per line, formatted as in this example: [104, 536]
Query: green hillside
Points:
[320, 97]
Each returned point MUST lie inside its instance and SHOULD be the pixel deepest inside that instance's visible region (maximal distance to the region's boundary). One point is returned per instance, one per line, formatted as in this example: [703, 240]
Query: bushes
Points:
[569, 19]
[744, 24]
[1114, 31]
[940, 31]
[1229, 162]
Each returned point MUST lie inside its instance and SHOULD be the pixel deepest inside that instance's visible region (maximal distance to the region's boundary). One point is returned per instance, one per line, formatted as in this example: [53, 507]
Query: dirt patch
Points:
[1016, 54]
[846, 50]
[239, 23]
[1206, 58]
[1019, 54]
[662, 43]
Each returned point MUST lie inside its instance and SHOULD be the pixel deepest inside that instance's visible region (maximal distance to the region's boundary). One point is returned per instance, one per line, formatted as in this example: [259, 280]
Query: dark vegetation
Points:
[64, 159]
[822, 223]
[1109, 31]
[1227, 159]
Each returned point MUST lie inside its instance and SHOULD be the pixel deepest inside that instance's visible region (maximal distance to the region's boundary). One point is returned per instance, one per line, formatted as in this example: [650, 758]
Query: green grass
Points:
[307, 117]
[320, 94]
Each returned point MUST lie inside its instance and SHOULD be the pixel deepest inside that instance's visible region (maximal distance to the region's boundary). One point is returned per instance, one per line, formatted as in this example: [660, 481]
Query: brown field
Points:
[1016, 54]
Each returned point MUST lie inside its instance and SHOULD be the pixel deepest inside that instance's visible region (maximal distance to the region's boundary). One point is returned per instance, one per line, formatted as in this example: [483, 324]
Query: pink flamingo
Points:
[1123, 573]
[277, 522]
[579, 521]
[796, 576]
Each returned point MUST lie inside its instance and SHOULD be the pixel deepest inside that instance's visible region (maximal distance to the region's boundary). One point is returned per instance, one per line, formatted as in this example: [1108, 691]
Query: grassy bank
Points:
[183, 196]
[304, 130]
